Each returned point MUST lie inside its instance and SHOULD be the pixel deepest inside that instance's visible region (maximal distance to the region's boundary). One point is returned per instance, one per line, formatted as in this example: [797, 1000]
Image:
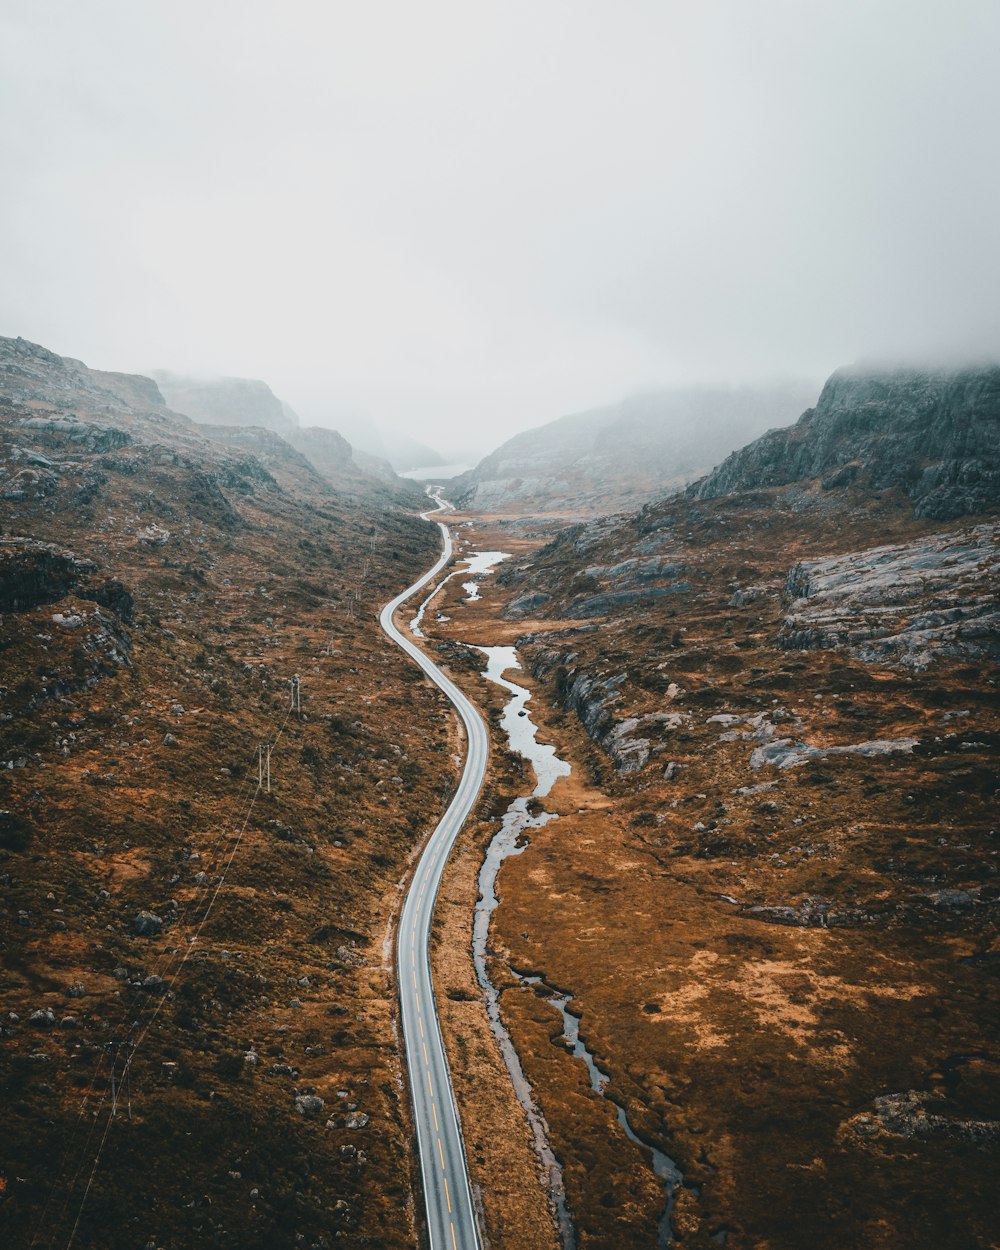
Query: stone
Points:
[147, 924]
[785, 753]
[309, 1104]
[526, 603]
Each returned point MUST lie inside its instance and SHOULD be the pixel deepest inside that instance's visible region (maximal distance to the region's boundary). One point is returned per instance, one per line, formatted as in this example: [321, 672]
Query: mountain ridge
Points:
[620, 455]
[931, 433]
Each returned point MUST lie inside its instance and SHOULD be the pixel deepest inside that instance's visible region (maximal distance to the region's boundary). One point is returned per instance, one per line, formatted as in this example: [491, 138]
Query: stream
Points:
[479, 564]
[548, 768]
[521, 737]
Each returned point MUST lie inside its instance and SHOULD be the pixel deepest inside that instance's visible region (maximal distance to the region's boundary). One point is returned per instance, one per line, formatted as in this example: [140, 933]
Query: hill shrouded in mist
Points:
[386, 443]
[627, 453]
[226, 401]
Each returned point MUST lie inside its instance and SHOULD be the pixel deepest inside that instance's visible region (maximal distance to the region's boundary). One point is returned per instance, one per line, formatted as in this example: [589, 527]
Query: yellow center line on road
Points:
[453, 1241]
[426, 1060]
[435, 1110]
[441, 1153]
[447, 1194]
[429, 1085]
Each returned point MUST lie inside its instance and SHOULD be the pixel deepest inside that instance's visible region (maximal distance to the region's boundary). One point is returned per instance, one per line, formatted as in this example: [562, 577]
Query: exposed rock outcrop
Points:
[905, 604]
[592, 699]
[930, 434]
[34, 573]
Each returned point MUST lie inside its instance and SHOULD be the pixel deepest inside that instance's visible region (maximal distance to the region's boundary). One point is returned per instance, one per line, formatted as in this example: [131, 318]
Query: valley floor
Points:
[771, 952]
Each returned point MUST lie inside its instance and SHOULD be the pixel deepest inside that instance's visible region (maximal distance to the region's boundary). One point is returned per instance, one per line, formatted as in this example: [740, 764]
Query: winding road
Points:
[451, 1217]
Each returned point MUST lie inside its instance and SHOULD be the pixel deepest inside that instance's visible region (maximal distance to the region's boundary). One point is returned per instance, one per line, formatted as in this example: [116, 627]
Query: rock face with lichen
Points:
[902, 604]
[930, 434]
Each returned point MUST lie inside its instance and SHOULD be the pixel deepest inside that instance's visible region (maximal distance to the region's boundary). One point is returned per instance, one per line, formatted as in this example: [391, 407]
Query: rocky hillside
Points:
[932, 435]
[196, 1008]
[778, 915]
[620, 456]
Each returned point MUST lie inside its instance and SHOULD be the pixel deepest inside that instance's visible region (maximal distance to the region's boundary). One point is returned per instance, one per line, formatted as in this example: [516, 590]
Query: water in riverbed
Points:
[478, 564]
[522, 738]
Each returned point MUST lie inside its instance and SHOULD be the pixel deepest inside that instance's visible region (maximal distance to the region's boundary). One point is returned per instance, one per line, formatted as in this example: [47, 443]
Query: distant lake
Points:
[436, 472]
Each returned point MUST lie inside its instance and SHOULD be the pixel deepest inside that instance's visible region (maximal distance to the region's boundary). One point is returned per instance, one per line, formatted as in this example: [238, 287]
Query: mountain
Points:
[765, 903]
[331, 453]
[622, 455]
[386, 443]
[931, 434]
[226, 401]
[169, 927]
[247, 403]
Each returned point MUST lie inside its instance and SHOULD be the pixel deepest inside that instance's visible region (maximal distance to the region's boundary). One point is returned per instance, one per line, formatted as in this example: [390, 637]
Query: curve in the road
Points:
[451, 1217]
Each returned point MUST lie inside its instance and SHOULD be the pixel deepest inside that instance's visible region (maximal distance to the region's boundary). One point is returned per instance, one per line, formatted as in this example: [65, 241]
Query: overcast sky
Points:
[467, 218]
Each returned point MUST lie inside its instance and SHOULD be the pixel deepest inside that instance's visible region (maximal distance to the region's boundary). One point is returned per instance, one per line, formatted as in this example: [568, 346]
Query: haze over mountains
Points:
[250, 402]
[623, 454]
[888, 423]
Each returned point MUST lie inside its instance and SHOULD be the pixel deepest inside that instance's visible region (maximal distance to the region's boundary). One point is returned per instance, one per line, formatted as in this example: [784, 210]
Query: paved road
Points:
[451, 1219]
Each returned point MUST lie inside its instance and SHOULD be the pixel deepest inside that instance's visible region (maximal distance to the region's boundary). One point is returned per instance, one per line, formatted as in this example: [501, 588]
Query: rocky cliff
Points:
[931, 435]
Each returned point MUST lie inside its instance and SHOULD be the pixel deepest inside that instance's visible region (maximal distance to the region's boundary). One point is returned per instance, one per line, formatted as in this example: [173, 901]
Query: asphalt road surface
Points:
[451, 1218]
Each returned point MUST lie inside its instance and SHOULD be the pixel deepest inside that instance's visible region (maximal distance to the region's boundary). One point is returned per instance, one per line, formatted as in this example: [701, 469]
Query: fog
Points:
[468, 218]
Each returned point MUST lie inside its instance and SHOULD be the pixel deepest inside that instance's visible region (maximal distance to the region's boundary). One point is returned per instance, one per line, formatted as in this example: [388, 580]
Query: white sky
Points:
[469, 217]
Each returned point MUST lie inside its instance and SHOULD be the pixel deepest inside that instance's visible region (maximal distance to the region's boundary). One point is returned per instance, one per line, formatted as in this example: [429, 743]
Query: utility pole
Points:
[296, 684]
[264, 766]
